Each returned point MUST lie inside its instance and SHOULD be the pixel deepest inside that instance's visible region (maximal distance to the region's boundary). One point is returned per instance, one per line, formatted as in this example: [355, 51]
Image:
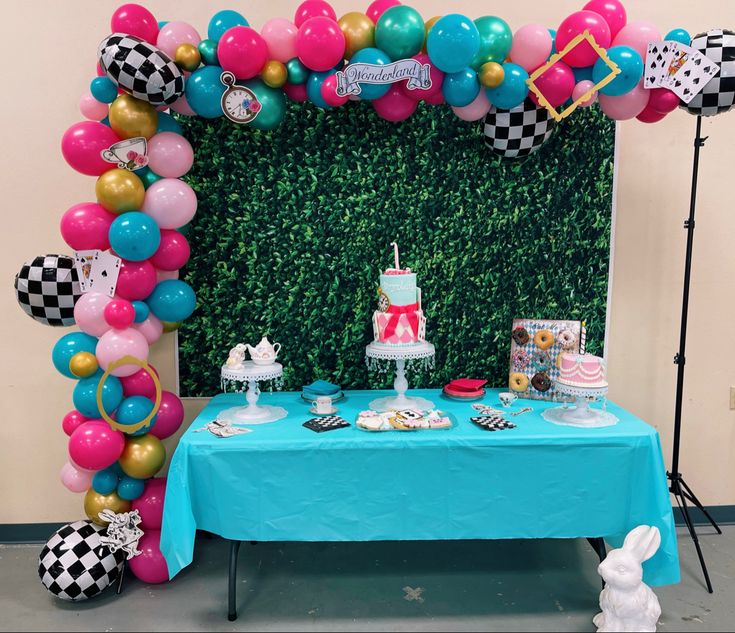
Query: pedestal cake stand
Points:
[420, 352]
[251, 374]
[580, 414]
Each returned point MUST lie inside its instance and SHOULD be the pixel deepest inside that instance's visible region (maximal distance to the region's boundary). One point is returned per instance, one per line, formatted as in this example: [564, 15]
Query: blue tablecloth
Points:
[283, 482]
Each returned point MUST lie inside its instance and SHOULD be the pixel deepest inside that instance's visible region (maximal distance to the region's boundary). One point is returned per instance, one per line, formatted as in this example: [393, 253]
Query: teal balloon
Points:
[129, 488]
[453, 43]
[222, 21]
[67, 346]
[134, 236]
[147, 176]
[552, 32]
[297, 72]
[461, 89]
[679, 35]
[103, 89]
[631, 67]
[496, 39]
[105, 481]
[172, 300]
[582, 74]
[512, 91]
[272, 105]
[162, 23]
[208, 51]
[133, 410]
[371, 56]
[141, 311]
[166, 123]
[314, 89]
[85, 395]
[204, 92]
[400, 32]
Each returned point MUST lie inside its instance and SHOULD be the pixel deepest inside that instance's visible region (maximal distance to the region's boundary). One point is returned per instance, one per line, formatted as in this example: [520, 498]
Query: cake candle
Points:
[583, 338]
[395, 254]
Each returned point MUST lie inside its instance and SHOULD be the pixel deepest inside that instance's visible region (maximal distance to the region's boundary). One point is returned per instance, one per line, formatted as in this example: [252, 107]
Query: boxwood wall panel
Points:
[294, 227]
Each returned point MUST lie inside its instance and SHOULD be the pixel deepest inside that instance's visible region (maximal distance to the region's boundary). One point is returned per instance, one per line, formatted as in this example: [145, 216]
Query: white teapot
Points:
[264, 353]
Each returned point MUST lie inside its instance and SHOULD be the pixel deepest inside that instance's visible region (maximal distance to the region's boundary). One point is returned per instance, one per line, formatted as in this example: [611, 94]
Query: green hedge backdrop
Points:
[294, 226]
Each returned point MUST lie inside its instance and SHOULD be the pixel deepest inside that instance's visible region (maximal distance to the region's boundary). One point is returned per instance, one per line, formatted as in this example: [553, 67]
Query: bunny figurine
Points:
[627, 603]
[236, 357]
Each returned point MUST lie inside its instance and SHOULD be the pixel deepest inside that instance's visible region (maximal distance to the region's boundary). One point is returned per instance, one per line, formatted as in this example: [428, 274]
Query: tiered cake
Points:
[582, 371]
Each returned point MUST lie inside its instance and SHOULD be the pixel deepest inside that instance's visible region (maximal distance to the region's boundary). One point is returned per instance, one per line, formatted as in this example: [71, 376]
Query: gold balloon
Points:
[143, 456]
[427, 27]
[359, 32]
[83, 364]
[170, 326]
[491, 74]
[274, 74]
[187, 57]
[94, 503]
[120, 190]
[131, 117]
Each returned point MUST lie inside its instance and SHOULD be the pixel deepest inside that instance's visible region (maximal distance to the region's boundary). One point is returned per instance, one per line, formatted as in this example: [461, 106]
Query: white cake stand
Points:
[581, 414]
[400, 354]
[253, 413]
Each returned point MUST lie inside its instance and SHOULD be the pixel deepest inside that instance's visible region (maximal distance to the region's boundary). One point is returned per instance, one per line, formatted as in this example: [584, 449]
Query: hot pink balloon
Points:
[583, 54]
[170, 416]
[475, 110]
[612, 10]
[435, 99]
[75, 480]
[119, 314]
[242, 51]
[556, 84]
[637, 35]
[170, 202]
[95, 445]
[86, 226]
[170, 155]
[149, 566]
[581, 89]
[181, 105]
[139, 384]
[296, 92]
[313, 9]
[175, 33]
[394, 105]
[437, 78]
[91, 108]
[532, 45]
[329, 92]
[379, 7]
[151, 329]
[136, 280]
[663, 100]
[649, 115]
[173, 252]
[150, 504]
[320, 44]
[82, 145]
[280, 38]
[72, 420]
[115, 344]
[134, 19]
[89, 313]
[627, 106]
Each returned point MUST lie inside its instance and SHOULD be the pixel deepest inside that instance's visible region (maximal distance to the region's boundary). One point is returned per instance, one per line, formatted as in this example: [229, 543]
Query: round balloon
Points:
[131, 117]
[150, 504]
[135, 236]
[136, 280]
[94, 445]
[371, 56]
[140, 383]
[511, 93]
[223, 21]
[631, 71]
[400, 32]
[72, 421]
[69, 345]
[74, 479]
[453, 43]
[320, 44]
[679, 35]
[135, 20]
[119, 314]
[130, 488]
[150, 566]
[280, 37]
[114, 345]
[119, 190]
[242, 51]
[172, 300]
[133, 410]
[532, 45]
[143, 456]
[204, 92]
[85, 401]
[577, 23]
[311, 9]
[83, 364]
[272, 105]
[82, 146]
[612, 11]
[509, 134]
[395, 106]
[496, 40]
[718, 95]
[359, 32]
[94, 503]
[170, 416]
[47, 288]
[105, 481]
[461, 88]
[171, 202]
[172, 34]
[89, 313]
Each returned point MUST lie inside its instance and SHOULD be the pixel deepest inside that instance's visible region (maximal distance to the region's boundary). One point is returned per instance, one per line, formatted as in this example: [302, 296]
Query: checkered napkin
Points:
[492, 422]
[326, 423]
[220, 428]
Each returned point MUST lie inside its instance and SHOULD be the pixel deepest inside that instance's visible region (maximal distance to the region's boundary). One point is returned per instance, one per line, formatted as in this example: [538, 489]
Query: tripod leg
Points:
[232, 584]
[687, 492]
[681, 501]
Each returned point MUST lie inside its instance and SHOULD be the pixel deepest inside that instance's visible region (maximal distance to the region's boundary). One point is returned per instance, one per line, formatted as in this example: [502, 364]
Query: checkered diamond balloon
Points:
[75, 566]
[518, 132]
[719, 94]
[47, 288]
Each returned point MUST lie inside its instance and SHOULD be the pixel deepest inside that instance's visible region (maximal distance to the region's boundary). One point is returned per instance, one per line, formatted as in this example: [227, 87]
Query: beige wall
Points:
[49, 60]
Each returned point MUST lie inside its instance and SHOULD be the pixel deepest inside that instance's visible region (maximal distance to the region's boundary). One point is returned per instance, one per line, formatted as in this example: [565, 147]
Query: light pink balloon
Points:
[163, 275]
[395, 106]
[475, 110]
[151, 329]
[115, 344]
[181, 105]
[175, 33]
[170, 155]
[150, 504]
[149, 566]
[532, 45]
[280, 37]
[637, 35]
[89, 313]
[627, 106]
[580, 89]
[170, 202]
[75, 480]
[169, 417]
[91, 108]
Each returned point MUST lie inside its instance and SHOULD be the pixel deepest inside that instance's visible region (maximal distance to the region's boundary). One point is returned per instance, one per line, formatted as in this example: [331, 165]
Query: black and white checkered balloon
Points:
[75, 566]
[141, 69]
[718, 95]
[518, 132]
[47, 288]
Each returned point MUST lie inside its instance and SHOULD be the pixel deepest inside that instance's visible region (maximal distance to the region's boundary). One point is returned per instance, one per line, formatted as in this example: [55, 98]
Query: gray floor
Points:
[443, 586]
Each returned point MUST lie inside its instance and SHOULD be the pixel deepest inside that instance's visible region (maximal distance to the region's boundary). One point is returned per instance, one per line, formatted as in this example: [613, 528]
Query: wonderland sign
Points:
[349, 79]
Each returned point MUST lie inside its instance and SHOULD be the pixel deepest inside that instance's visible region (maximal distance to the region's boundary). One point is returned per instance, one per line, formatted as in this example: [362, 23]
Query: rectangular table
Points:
[283, 482]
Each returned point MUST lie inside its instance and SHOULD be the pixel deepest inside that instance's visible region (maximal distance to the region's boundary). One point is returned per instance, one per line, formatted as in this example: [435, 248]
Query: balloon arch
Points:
[122, 287]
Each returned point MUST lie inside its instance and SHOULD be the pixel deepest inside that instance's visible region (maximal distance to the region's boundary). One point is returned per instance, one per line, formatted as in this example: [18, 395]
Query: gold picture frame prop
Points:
[586, 36]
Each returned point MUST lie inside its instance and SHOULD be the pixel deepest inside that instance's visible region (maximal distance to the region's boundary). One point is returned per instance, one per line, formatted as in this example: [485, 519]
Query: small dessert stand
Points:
[580, 414]
[251, 374]
[420, 352]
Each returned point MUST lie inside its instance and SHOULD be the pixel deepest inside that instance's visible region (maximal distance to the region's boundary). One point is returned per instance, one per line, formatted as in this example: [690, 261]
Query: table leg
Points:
[232, 586]
[598, 544]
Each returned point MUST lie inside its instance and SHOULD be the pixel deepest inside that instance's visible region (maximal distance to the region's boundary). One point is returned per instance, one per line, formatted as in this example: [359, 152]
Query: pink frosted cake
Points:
[582, 370]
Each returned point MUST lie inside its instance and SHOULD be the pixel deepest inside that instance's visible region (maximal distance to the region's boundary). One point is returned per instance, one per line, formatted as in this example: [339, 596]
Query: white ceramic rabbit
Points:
[237, 356]
[627, 603]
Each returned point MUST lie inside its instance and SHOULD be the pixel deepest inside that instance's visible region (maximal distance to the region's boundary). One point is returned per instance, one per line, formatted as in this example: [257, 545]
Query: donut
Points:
[544, 339]
[520, 360]
[541, 382]
[542, 361]
[566, 339]
[518, 382]
[520, 335]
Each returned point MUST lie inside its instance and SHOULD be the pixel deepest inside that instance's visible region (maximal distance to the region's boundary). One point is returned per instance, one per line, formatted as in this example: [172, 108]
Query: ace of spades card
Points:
[104, 273]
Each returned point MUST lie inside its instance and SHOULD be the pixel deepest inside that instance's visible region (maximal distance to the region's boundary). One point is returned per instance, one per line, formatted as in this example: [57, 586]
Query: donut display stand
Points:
[249, 376]
[423, 353]
[580, 414]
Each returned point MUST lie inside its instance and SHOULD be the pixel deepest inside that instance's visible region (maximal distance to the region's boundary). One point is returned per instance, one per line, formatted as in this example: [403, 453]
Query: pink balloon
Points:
[150, 504]
[170, 155]
[612, 11]
[72, 420]
[163, 275]
[82, 145]
[173, 252]
[242, 51]
[136, 280]
[649, 115]
[329, 92]
[320, 43]
[583, 54]
[115, 344]
[556, 84]
[119, 314]
[437, 78]
[280, 38]
[637, 35]
[89, 313]
[86, 226]
[139, 384]
[475, 110]
[95, 445]
[134, 19]
[394, 105]
[663, 100]
[581, 89]
[150, 566]
[169, 417]
[627, 106]
[296, 92]
[312, 9]
[181, 105]
[91, 108]
[532, 45]
[151, 329]
[175, 33]
[379, 7]
[75, 480]
[170, 202]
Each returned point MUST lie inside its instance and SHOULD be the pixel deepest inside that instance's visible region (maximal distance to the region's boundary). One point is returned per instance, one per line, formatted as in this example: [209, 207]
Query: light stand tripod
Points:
[679, 488]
